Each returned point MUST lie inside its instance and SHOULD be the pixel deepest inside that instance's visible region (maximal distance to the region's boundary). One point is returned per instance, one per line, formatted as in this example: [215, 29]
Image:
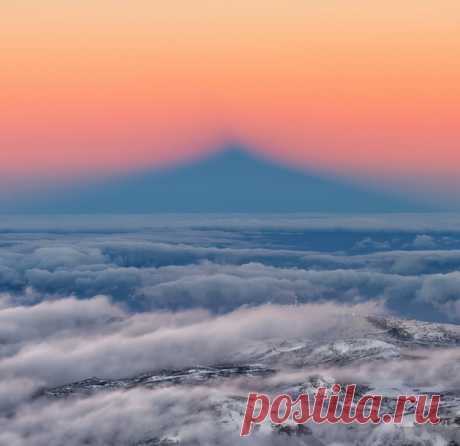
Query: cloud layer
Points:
[86, 301]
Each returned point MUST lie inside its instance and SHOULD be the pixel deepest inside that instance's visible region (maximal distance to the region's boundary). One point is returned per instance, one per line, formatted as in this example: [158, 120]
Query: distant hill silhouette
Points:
[232, 180]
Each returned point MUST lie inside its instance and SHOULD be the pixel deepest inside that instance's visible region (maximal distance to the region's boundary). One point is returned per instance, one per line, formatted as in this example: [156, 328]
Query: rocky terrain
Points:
[385, 342]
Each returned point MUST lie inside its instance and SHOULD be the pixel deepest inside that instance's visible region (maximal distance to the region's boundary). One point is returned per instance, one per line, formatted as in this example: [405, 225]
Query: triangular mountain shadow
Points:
[232, 180]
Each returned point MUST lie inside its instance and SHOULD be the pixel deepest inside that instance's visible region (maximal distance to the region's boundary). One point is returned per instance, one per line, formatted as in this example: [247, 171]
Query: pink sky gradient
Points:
[363, 89]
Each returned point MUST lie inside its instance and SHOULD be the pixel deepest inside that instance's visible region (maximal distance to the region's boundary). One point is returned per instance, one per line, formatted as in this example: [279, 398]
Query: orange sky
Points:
[355, 87]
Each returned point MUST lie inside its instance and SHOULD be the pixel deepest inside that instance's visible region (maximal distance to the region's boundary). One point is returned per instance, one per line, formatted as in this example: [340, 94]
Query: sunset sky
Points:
[366, 90]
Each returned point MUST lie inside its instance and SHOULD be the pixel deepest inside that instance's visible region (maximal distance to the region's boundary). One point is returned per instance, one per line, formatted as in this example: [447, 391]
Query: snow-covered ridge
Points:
[297, 366]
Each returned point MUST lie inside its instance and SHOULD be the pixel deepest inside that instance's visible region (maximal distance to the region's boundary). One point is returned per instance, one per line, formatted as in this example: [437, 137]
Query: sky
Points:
[365, 90]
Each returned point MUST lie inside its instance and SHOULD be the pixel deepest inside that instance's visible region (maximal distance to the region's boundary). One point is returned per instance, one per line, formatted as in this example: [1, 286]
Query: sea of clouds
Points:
[113, 297]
